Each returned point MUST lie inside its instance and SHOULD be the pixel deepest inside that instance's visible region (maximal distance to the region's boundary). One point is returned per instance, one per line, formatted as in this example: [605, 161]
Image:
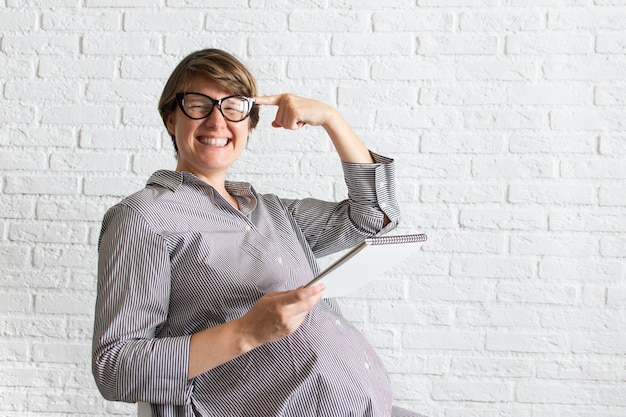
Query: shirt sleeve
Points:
[330, 226]
[129, 364]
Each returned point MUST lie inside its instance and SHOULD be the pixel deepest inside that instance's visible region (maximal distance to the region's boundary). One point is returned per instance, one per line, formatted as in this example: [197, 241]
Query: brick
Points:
[502, 21]
[504, 219]
[590, 221]
[130, 92]
[80, 114]
[113, 186]
[537, 392]
[553, 143]
[493, 267]
[509, 316]
[504, 119]
[538, 293]
[473, 391]
[367, 44]
[41, 184]
[575, 193]
[320, 68]
[72, 209]
[31, 44]
[573, 268]
[73, 21]
[23, 160]
[596, 168]
[437, 290]
[572, 369]
[613, 144]
[18, 20]
[120, 44]
[296, 45]
[90, 162]
[412, 21]
[482, 243]
[469, 96]
[144, 139]
[552, 245]
[491, 367]
[442, 340]
[16, 302]
[72, 68]
[341, 21]
[45, 232]
[612, 246]
[527, 342]
[158, 22]
[458, 44]
[418, 68]
[409, 313]
[462, 193]
[514, 168]
[550, 94]
[598, 342]
[492, 69]
[549, 43]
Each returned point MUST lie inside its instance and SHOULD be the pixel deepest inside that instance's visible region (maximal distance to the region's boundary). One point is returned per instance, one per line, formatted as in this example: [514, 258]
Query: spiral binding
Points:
[386, 240]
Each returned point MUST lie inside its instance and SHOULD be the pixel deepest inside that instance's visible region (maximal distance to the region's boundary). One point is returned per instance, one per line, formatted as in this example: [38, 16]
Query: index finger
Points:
[267, 100]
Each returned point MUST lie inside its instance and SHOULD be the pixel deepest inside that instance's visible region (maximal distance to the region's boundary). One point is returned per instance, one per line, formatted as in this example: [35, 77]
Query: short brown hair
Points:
[215, 65]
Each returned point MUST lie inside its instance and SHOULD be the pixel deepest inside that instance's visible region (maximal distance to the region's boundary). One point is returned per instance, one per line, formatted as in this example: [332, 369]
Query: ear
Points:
[170, 123]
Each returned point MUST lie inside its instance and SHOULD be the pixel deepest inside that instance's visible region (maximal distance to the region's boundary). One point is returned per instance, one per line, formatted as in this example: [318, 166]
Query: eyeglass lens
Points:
[198, 106]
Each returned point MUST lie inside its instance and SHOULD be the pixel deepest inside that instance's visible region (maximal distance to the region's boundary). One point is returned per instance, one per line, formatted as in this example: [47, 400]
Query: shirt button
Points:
[383, 205]
[279, 260]
[367, 366]
[248, 228]
[338, 323]
[381, 184]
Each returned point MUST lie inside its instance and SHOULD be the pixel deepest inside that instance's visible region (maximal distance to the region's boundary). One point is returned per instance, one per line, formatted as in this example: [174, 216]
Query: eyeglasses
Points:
[199, 106]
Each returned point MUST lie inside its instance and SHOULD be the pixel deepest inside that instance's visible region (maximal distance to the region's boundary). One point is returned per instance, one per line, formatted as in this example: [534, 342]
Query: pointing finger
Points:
[268, 100]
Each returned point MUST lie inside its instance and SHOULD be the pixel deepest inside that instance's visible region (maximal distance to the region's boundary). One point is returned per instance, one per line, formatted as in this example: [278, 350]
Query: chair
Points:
[144, 410]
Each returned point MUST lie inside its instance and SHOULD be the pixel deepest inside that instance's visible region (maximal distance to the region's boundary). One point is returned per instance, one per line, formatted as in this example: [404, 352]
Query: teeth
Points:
[214, 141]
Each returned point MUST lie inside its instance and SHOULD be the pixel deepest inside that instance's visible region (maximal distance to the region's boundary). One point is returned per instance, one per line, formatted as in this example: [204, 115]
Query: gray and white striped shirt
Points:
[176, 258]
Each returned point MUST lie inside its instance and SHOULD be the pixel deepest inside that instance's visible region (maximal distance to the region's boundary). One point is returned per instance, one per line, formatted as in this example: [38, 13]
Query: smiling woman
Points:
[201, 306]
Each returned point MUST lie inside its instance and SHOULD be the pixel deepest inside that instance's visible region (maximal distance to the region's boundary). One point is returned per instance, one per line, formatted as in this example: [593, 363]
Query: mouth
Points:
[213, 141]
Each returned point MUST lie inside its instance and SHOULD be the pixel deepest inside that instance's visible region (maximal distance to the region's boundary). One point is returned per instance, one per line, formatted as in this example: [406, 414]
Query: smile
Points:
[213, 141]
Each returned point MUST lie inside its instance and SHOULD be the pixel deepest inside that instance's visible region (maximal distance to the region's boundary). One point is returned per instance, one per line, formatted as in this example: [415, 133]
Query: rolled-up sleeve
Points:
[129, 364]
[331, 227]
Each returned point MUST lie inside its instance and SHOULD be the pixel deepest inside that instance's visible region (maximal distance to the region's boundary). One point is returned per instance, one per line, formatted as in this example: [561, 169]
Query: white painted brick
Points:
[616, 296]
[500, 21]
[23, 160]
[65, 353]
[142, 68]
[606, 343]
[41, 90]
[583, 319]
[31, 44]
[480, 243]
[155, 22]
[298, 45]
[16, 207]
[538, 293]
[573, 268]
[400, 312]
[573, 68]
[321, 21]
[493, 267]
[371, 44]
[116, 138]
[594, 168]
[145, 164]
[442, 340]
[518, 168]
[113, 186]
[41, 184]
[580, 19]
[353, 69]
[532, 43]
[611, 43]
[424, 118]
[613, 144]
[462, 193]
[422, 68]
[489, 367]
[591, 221]
[505, 119]
[509, 316]
[473, 391]
[130, 92]
[72, 68]
[33, 232]
[16, 302]
[80, 114]
[495, 69]
[89, 162]
[457, 290]
[471, 95]
[550, 94]
[79, 21]
[403, 21]
[120, 44]
[579, 370]
[554, 193]
[527, 342]
[437, 167]
[613, 246]
[504, 219]
[458, 44]
[141, 116]
[74, 257]
[538, 392]
[553, 244]
[72, 209]
[553, 143]
[18, 20]
[586, 120]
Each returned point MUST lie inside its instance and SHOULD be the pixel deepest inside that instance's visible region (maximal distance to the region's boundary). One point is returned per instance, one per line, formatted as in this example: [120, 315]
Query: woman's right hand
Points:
[278, 314]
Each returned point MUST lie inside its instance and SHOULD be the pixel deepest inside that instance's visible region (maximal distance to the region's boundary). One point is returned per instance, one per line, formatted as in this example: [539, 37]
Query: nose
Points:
[216, 118]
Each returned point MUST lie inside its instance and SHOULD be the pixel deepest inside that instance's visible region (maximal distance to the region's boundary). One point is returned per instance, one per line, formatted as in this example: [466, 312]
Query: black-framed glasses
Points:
[199, 106]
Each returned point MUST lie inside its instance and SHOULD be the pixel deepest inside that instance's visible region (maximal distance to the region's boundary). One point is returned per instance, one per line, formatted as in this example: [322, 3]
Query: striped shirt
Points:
[176, 258]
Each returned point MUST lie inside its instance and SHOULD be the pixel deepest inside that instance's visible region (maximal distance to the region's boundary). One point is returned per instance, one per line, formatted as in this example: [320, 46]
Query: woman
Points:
[200, 308]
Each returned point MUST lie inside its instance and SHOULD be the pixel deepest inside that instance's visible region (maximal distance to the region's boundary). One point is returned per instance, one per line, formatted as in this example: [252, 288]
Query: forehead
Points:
[204, 85]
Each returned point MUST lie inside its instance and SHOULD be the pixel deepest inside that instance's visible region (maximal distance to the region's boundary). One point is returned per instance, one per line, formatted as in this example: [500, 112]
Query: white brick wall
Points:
[506, 118]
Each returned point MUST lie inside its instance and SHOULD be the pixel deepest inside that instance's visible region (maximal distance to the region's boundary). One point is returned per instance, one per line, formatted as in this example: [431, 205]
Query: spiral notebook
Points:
[366, 262]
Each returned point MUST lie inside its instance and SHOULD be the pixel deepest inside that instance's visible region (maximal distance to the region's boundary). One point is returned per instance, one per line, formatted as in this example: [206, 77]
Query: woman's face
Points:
[208, 147]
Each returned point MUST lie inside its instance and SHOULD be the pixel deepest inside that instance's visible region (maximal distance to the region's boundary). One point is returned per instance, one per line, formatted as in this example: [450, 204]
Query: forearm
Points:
[346, 142]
